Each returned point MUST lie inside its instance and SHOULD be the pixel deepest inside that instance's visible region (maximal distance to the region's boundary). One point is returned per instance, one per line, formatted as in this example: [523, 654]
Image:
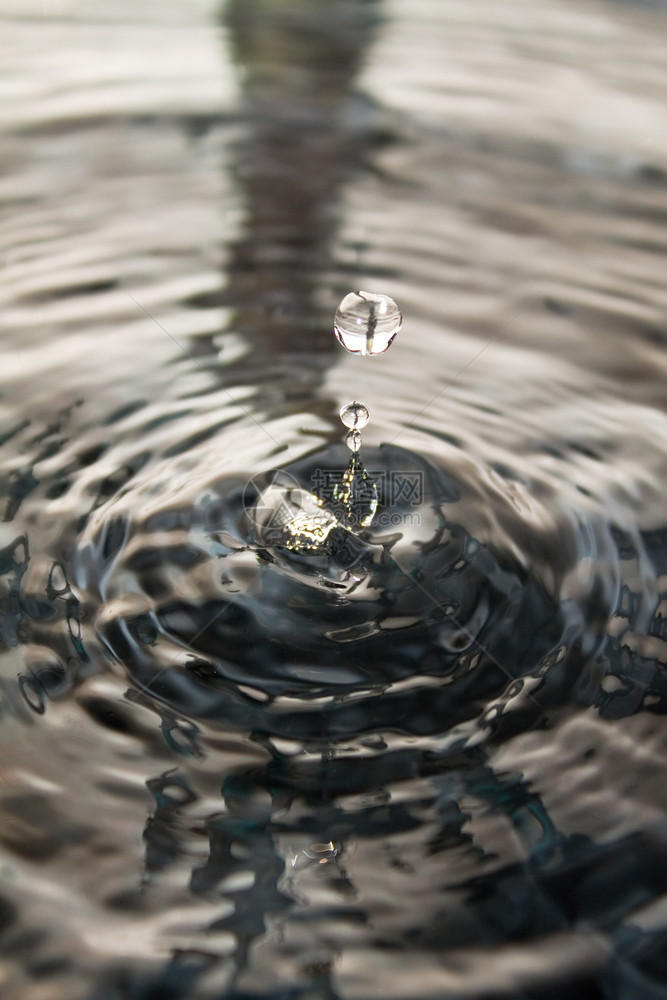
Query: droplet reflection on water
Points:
[288, 515]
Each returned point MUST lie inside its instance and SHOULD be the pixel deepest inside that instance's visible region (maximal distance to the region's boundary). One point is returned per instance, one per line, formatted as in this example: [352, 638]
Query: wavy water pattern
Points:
[427, 761]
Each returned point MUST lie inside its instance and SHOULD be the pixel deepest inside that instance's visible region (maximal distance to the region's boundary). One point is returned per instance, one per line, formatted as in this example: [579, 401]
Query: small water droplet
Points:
[353, 440]
[366, 322]
[354, 415]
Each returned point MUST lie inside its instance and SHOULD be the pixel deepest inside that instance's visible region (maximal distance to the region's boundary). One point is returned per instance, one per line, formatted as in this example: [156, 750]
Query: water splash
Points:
[287, 516]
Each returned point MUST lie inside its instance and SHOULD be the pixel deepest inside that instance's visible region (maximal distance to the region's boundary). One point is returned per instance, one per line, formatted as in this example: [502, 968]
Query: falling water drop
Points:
[366, 322]
[354, 415]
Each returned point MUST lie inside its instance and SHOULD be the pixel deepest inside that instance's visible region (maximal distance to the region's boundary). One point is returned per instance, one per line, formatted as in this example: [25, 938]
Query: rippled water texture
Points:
[427, 761]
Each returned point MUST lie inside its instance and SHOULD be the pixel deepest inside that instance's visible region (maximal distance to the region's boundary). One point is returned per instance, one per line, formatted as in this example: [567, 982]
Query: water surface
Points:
[433, 764]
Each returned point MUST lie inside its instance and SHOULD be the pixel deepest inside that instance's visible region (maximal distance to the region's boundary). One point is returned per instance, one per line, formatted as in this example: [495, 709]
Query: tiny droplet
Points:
[355, 415]
[366, 322]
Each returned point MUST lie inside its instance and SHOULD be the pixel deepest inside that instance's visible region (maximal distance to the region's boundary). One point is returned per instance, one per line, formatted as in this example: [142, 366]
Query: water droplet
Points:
[353, 440]
[366, 323]
[354, 415]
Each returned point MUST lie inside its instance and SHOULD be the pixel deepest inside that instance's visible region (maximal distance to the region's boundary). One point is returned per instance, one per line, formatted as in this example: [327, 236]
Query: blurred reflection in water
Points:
[305, 131]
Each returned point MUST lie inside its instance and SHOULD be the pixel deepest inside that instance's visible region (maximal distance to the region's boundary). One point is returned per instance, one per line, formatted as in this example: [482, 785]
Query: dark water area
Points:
[427, 761]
